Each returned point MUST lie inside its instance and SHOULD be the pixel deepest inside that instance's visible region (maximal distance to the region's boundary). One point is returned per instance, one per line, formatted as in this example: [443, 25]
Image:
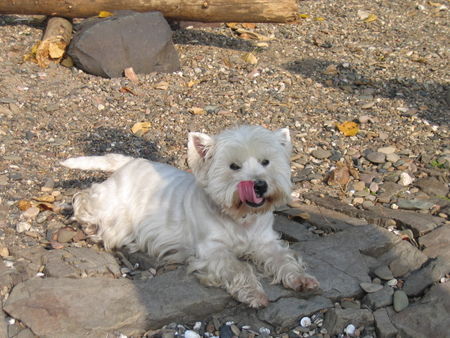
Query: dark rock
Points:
[426, 318]
[437, 242]
[337, 319]
[419, 280]
[379, 299]
[292, 229]
[106, 46]
[414, 204]
[80, 262]
[383, 324]
[225, 331]
[285, 312]
[400, 300]
[432, 186]
[61, 307]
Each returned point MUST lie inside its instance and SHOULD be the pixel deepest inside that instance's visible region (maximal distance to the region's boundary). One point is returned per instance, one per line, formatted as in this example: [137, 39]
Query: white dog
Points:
[216, 220]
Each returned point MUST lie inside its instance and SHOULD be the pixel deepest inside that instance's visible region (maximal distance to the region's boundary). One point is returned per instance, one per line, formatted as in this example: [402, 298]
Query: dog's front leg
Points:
[222, 268]
[284, 265]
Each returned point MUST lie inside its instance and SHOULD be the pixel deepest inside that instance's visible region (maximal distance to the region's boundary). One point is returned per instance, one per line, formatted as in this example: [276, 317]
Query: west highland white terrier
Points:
[217, 219]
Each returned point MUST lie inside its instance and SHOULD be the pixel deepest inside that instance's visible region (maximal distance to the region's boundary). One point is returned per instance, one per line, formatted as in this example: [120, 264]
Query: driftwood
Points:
[187, 10]
[56, 38]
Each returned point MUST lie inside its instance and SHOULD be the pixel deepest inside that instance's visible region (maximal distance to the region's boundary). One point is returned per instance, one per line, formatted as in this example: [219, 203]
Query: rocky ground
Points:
[370, 212]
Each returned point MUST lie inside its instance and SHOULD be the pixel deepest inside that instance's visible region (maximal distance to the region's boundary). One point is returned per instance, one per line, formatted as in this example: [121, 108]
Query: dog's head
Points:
[244, 170]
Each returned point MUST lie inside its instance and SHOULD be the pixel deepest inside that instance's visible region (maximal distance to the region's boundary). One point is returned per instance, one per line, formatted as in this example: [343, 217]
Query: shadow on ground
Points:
[436, 96]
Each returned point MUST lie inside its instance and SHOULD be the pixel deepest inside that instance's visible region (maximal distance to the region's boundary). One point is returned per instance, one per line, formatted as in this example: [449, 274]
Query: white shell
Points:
[197, 325]
[191, 334]
[392, 282]
[305, 322]
[264, 330]
[350, 329]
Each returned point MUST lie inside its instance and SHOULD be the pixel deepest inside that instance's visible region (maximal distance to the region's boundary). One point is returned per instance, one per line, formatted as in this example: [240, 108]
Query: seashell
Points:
[350, 329]
[305, 322]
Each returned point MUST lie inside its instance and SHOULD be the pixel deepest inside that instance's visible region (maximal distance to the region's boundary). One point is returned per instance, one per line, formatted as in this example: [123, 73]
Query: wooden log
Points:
[188, 10]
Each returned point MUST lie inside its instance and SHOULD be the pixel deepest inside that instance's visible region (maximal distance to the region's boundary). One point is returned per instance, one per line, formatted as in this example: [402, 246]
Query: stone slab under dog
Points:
[106, 46]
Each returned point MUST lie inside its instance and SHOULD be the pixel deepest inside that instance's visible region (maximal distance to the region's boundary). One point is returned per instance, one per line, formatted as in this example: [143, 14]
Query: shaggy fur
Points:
[201, 218]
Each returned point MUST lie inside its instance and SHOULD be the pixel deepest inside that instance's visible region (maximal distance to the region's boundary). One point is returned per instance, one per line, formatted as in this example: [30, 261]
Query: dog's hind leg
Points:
[223, 269]
[284, 265]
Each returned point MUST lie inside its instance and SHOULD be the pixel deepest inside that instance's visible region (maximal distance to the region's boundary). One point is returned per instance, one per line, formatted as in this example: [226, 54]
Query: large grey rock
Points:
[383, 324]
[437, 242]
[427, 318]
[419, 280]
[93, 307]
[3, 327]
[285, 312]
[80, 262]
[432, 186]
[379, 299]
[337, 319]
[106, 46]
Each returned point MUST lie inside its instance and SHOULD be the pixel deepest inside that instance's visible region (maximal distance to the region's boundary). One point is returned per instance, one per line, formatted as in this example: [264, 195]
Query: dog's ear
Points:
[284, 137]
[199, 145]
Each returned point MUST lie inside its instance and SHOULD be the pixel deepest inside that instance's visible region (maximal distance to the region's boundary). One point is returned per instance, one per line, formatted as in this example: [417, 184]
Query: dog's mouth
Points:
[248, 195]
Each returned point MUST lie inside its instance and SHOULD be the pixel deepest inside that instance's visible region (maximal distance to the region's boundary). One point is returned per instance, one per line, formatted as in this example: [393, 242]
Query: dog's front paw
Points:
[303, 282]
[255, 298]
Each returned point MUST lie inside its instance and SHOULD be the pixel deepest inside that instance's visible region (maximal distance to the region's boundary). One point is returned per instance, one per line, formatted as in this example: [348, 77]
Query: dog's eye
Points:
[265, 163]
[234, 166]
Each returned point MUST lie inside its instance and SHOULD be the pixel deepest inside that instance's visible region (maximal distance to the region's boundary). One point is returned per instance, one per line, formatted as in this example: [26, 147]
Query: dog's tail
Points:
[110, 162]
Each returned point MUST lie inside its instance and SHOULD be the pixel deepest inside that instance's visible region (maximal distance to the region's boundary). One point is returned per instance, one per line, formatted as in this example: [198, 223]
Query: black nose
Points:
[260, 187]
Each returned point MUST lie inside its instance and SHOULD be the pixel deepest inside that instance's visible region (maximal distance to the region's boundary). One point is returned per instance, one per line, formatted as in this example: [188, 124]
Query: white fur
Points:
[198, 218]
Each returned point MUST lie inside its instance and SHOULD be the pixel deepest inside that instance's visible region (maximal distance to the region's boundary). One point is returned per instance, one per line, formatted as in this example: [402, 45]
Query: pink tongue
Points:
[247, 192]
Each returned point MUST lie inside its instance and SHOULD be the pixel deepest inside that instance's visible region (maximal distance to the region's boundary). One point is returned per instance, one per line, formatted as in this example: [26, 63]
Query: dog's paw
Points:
[303, 282]
[256, 299]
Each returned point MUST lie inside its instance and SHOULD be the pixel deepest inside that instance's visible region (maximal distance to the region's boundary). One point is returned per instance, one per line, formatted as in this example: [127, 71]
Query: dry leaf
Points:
[249, 25]
[140, 128]
[246, 34]
[331, 70]
[371, 18]
[232, 25]
[24, 205]
[127, 90]
[197, 111]
[45, 198]
[348, 128]
[130, 74]
[304, 16]
[104, 14]
[340, 175]
[192, 83]
[163, 85]
[250, 58]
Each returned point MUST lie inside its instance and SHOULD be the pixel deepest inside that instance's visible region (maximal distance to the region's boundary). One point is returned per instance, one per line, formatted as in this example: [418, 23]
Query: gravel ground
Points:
[390, 75]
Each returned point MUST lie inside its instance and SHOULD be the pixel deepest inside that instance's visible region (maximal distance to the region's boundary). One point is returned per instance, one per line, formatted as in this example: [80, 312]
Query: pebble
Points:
[405, 179]
[305, 322]
[392, 282]
[31, 213]
[370, 287]
[368, 204]
[4, 251]
[191, 334]
[394, 206]
[376, 157]
[400, 301]
[392, 158]
[66, 235]
[320, 153]
[387, 150]
[350, 329]
[22, 227]
[374, 187]
[383, 272]
[359, 186]
[358, 200]
[235, 329]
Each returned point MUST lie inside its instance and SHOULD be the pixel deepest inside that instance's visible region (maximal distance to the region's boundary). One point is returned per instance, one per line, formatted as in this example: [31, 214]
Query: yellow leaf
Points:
[249, 25]
[319, 18]
[104, 14]
[232, 25]
[371, 18]
[250, 58]
[140, 128]
[197, 111]
[348, 128]
[130, 74]
[304, 16]
[192, 83]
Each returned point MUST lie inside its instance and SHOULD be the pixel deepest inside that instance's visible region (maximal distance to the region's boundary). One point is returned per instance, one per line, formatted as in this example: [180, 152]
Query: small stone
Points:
[358, 200]
[374, 187]
[368, 204]
[359, 186]
[401, 301]
[392, 158]
[320, 153]
[31, 213]
[370, 287]
[383, 136]
[235, 329]
[405, 179]
[392, 282]
[22, 227]
[191, 334]
[100, 107]
[383, 272]
[394, 206]
[387, 150]
[4, 251]
[66, 234]
[376, 157]
[350, 329]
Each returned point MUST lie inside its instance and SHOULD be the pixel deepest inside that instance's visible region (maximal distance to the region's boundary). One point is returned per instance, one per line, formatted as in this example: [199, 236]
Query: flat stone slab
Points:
[286, 312]
[93, 307]
[427, 318]
[437, 242]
